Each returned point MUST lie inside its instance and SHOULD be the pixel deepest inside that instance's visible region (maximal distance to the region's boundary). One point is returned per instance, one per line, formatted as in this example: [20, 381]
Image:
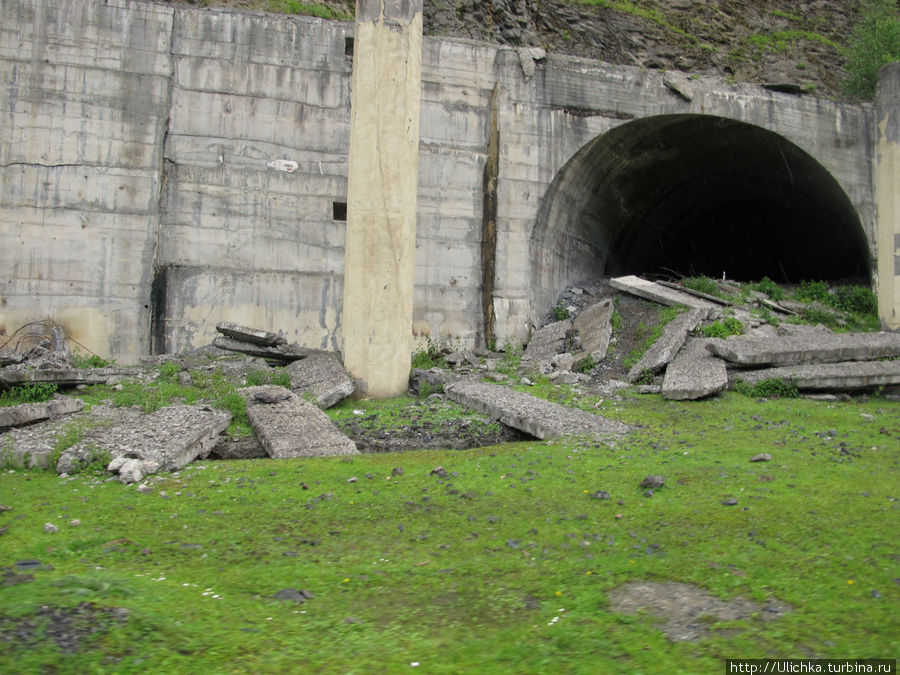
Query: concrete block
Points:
[694, 373]
[829, 376]
[321, 376]
[257, 336]
[594, 326]
[664, 296]
[27, 413]
[667, 346]
[292, 427]
[815, 346]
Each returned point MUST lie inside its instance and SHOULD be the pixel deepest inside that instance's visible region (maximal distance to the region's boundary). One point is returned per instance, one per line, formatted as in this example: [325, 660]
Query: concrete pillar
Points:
[887, 193]
[382, 184]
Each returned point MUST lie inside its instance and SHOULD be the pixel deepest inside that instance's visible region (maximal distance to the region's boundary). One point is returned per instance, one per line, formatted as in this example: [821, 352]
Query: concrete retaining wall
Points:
[166, 168]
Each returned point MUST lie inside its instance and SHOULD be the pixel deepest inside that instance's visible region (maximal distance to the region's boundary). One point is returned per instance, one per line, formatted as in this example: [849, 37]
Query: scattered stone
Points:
[75, 522]
[397, 471]
[352, 479]
[50, 528]
[694, 373]
[538, 417]
[321, 376]
[440, 472]
[253, 335]
[526, 382]
[600, 494]
[667, 346]
[762, 457]
[731, 501]
[4, 507]
[648, 493]
[654, 482]
[293, 427]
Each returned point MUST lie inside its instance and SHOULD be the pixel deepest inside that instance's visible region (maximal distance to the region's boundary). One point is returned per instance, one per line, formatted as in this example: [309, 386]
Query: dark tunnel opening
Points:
[697, 195]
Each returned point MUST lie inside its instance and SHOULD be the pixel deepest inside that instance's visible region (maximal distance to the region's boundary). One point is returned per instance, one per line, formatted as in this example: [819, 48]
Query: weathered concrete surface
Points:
[538, 417]
[382, 187]
[64, 377]
[829, 376]
[321, 376]
[164, 440]
[292, 427]
[887, 192]
[546, 344]
[594, 326]
[662, 294]
[257, 336]
[809, 347]
[694, 373]
[666, 347]
[27, 413]
[281, 352]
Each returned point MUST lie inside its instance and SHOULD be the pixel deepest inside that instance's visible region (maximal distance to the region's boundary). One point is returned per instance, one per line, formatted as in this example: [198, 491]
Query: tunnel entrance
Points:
[695, 195]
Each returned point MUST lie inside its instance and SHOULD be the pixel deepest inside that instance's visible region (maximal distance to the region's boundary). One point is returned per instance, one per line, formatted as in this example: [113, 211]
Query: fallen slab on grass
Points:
[811, 347]
[538, 417]
[28, 413]
[64, 377]
[321, 376]
[667, 345]
[694, 373]
[288, 426]
[664, 296]
[164, 440]
[827, 376]
[546, 343]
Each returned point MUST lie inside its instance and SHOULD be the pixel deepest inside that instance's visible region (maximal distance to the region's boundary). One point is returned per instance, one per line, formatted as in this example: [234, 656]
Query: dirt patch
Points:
[687, 612]
[68, 627]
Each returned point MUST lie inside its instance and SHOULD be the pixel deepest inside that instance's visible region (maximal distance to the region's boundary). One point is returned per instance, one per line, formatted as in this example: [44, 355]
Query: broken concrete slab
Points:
[691, 291]
[846, 376]
[64, 377]
[594, 327]
[664, 296]
[166, 439]
[254, 335]
[293, 427]
[60, 344]
[321, 376]
[28, 413]
[538, 417]
[666, 347]
[807, 347]
[694, 373]
[546, 343]
[285, 353]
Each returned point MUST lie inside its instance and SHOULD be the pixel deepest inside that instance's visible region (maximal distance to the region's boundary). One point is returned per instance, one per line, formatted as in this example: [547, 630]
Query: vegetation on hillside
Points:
[875, 42]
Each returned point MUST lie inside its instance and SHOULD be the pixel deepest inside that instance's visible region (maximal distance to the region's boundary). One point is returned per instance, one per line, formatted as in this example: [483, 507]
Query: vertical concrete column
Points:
[887, 193]
[382, 184]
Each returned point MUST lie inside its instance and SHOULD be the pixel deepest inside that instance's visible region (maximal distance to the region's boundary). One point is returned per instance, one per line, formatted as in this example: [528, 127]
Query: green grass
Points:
[32, 392]
[471, 573]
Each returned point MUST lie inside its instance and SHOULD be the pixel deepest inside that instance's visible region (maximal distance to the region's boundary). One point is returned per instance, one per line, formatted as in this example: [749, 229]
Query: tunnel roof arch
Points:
[689, 195]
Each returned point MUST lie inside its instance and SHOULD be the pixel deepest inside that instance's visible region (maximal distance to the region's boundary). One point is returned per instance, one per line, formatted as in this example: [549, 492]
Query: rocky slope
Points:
[794, 42]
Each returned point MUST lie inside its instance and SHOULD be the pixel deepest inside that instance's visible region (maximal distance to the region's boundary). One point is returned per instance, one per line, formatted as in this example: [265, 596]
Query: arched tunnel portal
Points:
[692, 195]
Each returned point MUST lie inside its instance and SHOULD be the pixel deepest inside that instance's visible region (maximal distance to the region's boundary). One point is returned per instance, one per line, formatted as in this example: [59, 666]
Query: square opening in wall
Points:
[339, 210]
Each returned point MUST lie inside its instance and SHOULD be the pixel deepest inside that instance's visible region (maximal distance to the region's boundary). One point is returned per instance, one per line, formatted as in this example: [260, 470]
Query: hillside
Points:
[764, 41]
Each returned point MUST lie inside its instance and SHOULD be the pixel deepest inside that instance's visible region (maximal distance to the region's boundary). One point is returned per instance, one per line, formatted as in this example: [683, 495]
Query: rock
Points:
[762, 457]
[829, 376]
[270, 398]
[397, 471]
[64, 377]
[653, 482]
[648, 493]
[731, 501]
[594, 327]
[75, 522]
[27, 413]
[50, 528]
[546, 343]
[440, 472]
[283, 353]
[563, 361]
[293, 595]
[322, 377]
[806, 348]
[600, 494]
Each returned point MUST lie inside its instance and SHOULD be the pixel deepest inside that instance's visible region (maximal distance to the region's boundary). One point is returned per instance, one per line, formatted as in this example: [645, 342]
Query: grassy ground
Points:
[506, 566]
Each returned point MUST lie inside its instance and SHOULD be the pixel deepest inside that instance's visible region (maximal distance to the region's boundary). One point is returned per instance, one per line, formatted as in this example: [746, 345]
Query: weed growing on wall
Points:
[875, 42]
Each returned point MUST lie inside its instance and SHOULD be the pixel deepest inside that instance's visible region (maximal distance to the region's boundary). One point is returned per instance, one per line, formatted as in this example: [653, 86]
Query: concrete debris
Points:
[666, 347]
[27, 413]
[284, 353]
[594, 327]
[256, 336]
[538, 417]
[166, 439]
[546, 343]
[694, 373]
[430, 380]
[64, 377]
[293, 427]
[321, 376]
[664, 296]
[846, 376]
[691, 291]
[806, 348]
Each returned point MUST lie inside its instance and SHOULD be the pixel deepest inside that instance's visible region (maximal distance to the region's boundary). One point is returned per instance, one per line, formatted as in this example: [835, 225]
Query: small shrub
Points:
[813, 291]
[814, 316]
[874, 42]
[770, 288]
[168, 372]
[722, 329]
[701, 285]
[430, 357]
[585, 365]
[80, 360]
[616, 321]
[32, 392]
[560, 312]
[856, 300]
[281, 377]
[256, 378]
[771, 388]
